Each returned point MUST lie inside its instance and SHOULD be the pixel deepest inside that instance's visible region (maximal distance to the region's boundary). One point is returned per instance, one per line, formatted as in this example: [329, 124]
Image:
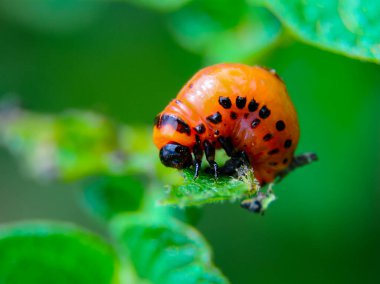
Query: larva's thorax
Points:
[250, 105]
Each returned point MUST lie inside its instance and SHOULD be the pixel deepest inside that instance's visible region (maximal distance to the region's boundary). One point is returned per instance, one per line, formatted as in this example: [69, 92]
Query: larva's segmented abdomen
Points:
[250, 105]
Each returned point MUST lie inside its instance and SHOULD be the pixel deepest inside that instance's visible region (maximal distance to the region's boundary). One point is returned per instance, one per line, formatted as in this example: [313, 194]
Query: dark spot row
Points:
[287, 145]
[280, 125]
[273, 164]
[241, 102]
[269, 136]
[263, 114]
[274, 151]
[200, 128]
[233, 115]
[215, 118]
[182, 127]
[174, 121]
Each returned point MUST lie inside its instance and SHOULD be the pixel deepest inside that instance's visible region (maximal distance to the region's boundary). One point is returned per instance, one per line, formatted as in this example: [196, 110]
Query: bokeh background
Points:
[122, 61]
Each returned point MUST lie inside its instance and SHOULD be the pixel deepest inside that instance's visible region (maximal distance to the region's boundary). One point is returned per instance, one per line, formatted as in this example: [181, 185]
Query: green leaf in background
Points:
[44, 252]
[225, 30]
[106, 196]
[257, 31]
[66, 147]
[53, 16]
[205, 189]
[77, 144]
[160, 5]
[164, 250]
[86, 142]
[189, 215]
[349, 27]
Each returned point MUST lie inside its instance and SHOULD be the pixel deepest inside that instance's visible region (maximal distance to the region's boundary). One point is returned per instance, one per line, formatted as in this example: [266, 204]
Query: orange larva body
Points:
[248, 105]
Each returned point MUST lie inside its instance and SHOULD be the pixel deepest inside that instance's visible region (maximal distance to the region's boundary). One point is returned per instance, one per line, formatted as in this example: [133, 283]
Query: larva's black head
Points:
[176, 156]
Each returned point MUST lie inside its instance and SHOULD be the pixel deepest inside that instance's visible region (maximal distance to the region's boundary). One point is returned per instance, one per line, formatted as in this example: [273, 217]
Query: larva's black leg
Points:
[210, 156]
[237, 160]
[230, 166]
[298, 161]
[197, 161]
[227, 146]
[198, 154]
[244, 157]
[303, 159]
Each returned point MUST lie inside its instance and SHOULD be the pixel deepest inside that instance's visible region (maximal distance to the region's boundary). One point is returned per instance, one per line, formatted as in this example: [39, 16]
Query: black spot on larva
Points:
[178, 102]
[215, 118]
[246, 115]
[273, 163]
[285, 161]
[267, 137]
[216, 132]
[225, 102]
[200, 128]
[233, 115]
[288, 143]
[274, 151]
[255, 123]
[191, 86]
[177, 123]
[240, 102]
[157, 120]
[264, 112]
[253, 105]
[280, 125]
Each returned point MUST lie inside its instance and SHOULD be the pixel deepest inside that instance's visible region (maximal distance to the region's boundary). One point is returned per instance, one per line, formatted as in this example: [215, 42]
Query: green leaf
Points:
[77, 144]
[227, 31]
[46, 252]
[52, 16]
[106, 196]
[160, 5]
[190, 215]
[257, 31]
[349, 27]
[66, 147]
[205, 189]
[86, 142]
[164, 250]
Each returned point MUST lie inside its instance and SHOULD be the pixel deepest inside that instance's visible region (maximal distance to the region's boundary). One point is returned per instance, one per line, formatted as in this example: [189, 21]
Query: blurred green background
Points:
[122, 61]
